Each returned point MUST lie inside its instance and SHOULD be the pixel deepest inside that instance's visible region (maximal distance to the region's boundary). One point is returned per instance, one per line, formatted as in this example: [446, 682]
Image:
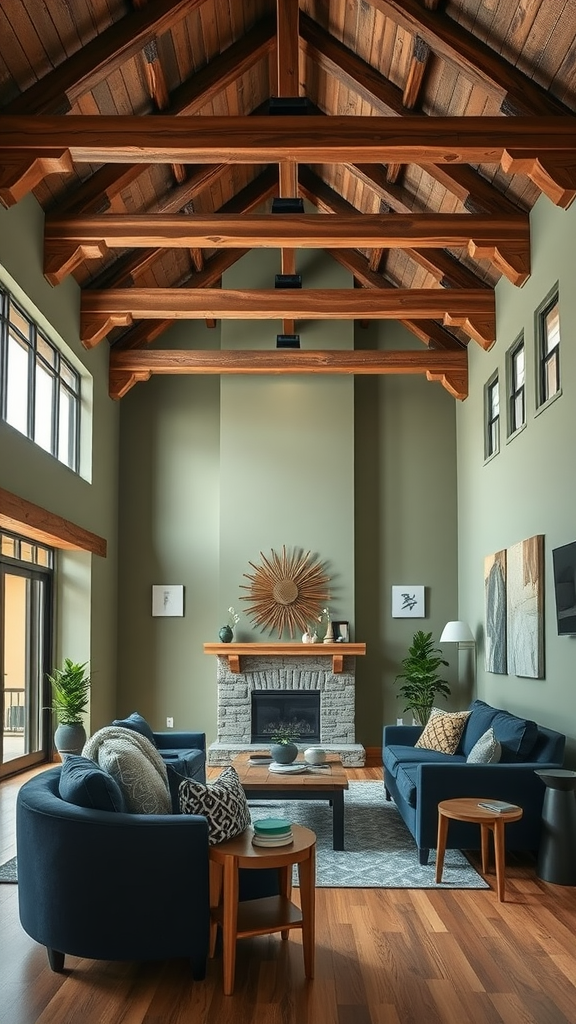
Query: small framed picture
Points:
[408, 602]
[341, 631]
[167, 599]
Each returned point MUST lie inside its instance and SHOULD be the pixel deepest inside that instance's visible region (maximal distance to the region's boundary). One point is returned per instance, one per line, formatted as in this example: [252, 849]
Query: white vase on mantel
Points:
[329, 637]
[310, 638]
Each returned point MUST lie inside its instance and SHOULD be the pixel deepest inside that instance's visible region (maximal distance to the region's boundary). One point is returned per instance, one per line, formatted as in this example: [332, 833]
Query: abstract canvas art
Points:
[495, 612]
[524, 620]
[408, 602]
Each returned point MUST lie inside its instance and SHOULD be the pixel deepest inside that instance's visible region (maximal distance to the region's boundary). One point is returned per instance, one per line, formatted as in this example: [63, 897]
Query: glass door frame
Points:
[40, 706]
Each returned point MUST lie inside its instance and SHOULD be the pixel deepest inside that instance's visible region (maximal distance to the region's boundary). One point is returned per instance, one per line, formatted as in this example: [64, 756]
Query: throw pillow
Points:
[84, 783]
[443, 731]
[487, 750]
[223, 802]
[138, 724]
[136, 765]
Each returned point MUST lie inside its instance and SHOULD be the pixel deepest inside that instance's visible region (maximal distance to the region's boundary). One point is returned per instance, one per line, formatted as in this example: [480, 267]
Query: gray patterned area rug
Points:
[8, 872]
[380, 852]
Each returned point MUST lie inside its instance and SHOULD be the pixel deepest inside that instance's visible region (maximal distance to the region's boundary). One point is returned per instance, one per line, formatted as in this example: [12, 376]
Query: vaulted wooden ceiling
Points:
[156, 134]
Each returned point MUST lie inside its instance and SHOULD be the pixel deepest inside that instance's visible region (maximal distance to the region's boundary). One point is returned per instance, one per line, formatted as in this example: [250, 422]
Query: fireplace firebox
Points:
[297, 709]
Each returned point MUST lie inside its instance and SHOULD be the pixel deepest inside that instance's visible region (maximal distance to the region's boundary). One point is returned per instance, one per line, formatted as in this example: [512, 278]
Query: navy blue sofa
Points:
[418, 779]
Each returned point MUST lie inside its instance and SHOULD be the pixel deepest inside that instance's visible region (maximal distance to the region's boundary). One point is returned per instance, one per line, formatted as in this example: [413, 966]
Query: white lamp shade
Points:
[457, 632]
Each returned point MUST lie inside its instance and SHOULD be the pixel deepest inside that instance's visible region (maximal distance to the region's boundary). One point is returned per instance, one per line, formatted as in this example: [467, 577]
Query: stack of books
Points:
[272, 832]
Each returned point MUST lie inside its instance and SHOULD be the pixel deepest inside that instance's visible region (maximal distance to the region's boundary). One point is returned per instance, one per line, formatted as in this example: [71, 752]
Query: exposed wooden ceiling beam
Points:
[480, 62]
[471, 309]
[128, 368]
[104, 54]
[288, 85]
[543, 148]
[504, 240]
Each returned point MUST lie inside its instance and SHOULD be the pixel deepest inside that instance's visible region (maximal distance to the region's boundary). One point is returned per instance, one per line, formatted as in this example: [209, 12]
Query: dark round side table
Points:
[557, 850]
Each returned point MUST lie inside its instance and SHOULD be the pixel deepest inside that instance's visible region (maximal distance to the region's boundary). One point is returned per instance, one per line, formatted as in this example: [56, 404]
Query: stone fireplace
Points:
[322, 677]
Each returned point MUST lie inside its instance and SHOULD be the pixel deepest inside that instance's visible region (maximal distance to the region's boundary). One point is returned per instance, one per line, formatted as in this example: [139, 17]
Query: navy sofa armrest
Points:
[401, 735]
[180, 740]
[516, 783]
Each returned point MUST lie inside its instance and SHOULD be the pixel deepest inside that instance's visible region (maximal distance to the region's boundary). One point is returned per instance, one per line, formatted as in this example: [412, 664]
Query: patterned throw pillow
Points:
[443, 731]
[486, 750]
[223, 802]
[136, 765]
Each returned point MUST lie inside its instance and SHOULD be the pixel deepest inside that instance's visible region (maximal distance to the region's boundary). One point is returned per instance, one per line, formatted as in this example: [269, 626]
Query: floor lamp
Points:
[457, 632]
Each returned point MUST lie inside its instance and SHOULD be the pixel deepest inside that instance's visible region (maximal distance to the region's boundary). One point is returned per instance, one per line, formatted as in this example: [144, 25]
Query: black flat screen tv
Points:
[564, 563]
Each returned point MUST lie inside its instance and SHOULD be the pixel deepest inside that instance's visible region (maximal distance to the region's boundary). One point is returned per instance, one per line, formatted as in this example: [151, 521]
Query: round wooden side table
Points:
[468, 809]
[270, 914]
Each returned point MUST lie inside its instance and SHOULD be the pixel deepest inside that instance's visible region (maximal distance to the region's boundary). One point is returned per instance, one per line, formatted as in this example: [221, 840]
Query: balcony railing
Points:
[14, 711]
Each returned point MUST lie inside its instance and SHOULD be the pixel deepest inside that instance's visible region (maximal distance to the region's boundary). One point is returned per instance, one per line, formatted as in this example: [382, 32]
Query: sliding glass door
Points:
[25, 602]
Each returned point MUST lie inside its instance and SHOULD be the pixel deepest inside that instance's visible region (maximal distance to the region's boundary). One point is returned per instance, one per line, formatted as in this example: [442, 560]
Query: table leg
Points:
[484, 845]
[338, 820]
[215, 895]
[441, 845]
[230, 923]
[307, 878]
[500, 858]
[285, 882]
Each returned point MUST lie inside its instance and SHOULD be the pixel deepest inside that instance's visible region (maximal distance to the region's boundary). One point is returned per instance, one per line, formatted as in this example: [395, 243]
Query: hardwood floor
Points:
[382, 957]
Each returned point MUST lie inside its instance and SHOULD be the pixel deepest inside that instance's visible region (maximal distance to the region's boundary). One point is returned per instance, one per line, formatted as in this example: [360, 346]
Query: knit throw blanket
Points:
[138, 768]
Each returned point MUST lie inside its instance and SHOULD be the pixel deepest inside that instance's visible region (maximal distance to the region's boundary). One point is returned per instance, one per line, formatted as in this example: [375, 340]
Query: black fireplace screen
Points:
[299, 709]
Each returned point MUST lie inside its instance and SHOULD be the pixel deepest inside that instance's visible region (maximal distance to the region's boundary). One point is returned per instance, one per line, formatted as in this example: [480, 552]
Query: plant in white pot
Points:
[422, 682]
[283, 748]
[70, 697]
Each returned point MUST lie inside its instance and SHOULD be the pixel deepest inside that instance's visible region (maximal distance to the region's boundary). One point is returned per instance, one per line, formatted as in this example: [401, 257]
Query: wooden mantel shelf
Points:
[336, 651]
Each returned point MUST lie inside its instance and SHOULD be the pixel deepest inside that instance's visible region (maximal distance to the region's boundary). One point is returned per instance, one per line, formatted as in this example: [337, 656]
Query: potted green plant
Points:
[283, 747]
[70, 696]
[420, 670]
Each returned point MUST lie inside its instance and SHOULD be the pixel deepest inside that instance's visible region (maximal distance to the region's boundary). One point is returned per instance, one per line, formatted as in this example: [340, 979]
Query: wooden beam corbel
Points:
[119, 383]
[21, 171]
[62, 259]
[554, 174]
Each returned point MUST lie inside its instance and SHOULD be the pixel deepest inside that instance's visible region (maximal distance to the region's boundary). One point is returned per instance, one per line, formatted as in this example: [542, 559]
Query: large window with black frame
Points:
[39, 387]
[492, 417]
[516, 386]
[548, 343]
[26, 584]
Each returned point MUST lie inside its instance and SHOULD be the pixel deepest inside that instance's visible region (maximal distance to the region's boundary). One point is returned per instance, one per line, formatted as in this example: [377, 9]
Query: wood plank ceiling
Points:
[156, 135]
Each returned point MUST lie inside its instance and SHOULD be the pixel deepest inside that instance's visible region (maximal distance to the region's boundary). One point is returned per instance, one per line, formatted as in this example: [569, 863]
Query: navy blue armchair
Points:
[114, 886]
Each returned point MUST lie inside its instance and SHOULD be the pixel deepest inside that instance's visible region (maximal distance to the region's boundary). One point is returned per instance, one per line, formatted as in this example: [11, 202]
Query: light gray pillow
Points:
[486, 750]
[134, 762]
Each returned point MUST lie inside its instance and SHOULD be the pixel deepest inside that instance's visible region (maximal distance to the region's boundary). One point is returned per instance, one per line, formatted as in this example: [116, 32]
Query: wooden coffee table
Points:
[261, 784]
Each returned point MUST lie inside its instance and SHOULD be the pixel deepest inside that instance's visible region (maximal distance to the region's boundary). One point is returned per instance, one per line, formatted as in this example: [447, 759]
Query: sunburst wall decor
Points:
[287, 592]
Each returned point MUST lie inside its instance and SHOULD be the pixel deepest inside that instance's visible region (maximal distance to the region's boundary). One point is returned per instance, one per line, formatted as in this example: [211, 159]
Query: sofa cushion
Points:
[223, 802]
[395, 756]
[138, 724]
[486, 750]
[481, 717]
[136, 765]
[516, 735]
[443, 731]
[83, 783]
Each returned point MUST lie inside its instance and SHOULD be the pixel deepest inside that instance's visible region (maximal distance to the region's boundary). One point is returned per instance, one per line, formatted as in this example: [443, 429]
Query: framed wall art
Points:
[408, 602]
[167, 599]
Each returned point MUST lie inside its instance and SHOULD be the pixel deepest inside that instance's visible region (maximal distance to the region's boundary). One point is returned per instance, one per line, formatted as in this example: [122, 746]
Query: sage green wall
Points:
[86, 585]
[286, 450]
[406, 526]
[214, 471]
[530, 486]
